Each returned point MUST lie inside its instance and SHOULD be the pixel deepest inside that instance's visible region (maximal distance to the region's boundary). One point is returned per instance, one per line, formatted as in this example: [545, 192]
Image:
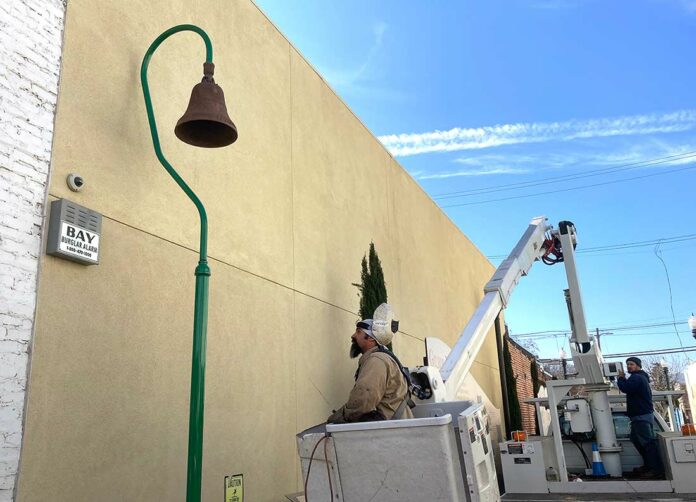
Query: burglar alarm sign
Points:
[79, 242]
[74, 232]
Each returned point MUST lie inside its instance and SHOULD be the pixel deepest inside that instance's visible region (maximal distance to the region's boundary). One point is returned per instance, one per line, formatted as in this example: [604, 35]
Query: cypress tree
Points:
[513, 399]
[364, 293]
[534, 368]
[372, 288]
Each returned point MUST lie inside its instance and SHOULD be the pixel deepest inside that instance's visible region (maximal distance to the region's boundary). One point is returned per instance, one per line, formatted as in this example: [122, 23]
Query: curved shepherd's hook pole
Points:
[200, 317]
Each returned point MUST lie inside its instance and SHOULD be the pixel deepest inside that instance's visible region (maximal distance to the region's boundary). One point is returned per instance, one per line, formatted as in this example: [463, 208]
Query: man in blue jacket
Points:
[639, 407]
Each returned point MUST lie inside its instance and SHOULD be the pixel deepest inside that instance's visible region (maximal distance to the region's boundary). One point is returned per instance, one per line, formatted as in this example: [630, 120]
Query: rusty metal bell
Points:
[206, 122]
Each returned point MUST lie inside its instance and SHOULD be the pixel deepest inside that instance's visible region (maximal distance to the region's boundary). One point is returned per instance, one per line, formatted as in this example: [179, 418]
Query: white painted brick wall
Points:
[31, 33]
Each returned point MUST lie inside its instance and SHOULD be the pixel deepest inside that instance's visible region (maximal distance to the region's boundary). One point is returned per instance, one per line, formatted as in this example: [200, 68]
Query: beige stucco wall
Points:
[293, 206]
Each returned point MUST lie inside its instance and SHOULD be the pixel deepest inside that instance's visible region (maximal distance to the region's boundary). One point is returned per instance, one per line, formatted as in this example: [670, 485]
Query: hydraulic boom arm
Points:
[535, 244]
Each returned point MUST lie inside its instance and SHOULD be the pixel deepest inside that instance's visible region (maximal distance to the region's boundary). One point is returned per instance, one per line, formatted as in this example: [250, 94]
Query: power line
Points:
[675, 350]
[625, 245]
[645, 334]
[567, 177]
[630, 252]
[658, 254]
[664, 240]
[603, 335]
[562, 332]
[568, 189]
[642, 326]
[650, 333]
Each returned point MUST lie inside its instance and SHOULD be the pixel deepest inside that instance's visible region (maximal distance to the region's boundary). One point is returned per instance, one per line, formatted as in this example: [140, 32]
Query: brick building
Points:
[521, 365]
[30, 51]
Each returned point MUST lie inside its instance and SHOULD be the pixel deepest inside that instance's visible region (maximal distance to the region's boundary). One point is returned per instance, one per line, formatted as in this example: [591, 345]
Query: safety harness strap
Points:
[409, 385]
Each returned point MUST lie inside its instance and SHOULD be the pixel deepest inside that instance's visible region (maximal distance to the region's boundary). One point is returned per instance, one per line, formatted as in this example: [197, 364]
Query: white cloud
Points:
[545, 159]
[455, 139]
[484, 171]
[363, 80]
[352, 76]
[631, 155]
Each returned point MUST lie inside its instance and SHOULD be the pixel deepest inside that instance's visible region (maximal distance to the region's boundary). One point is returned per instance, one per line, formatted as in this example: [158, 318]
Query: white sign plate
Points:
[79, 242]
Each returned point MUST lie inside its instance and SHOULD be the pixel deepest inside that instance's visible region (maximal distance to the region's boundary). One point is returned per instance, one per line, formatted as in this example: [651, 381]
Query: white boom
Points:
[538, 241]
[529, 249]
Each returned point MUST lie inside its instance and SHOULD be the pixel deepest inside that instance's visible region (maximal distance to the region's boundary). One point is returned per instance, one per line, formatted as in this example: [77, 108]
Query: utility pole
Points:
[599, 335]
[665, 370]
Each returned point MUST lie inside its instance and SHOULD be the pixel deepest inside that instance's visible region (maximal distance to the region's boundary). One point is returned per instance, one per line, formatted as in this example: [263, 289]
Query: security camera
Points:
[75, 182]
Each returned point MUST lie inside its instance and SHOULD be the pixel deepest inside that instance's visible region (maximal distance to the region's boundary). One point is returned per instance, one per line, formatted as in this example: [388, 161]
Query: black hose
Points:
[584, 455]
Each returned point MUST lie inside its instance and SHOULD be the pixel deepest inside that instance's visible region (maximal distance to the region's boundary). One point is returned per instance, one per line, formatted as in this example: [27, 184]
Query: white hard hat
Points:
[382, 324]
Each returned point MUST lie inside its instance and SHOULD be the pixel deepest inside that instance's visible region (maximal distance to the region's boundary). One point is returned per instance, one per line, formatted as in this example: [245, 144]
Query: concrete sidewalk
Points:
[600, 497]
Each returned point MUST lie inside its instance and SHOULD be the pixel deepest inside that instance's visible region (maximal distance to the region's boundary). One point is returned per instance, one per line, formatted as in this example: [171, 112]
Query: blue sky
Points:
[471, 96]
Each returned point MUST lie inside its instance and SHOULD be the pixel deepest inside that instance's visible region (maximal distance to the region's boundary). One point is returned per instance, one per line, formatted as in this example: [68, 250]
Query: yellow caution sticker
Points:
[234, 488]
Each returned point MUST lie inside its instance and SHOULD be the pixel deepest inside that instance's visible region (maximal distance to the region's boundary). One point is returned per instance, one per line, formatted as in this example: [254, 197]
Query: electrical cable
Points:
[639, 334]
[549, 192]
[567, 177]
[328, 471]
[561, 332]
[611, 254]
[656, 352]
[582, 451]
[625, 245]
[614, 328]
[309, 467]
[603, 335]
[658, 254]
[640, 326]
[649, 333]
[629, 245]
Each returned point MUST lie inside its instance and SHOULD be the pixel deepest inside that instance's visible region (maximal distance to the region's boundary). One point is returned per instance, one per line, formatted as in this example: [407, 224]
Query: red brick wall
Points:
[521, 366]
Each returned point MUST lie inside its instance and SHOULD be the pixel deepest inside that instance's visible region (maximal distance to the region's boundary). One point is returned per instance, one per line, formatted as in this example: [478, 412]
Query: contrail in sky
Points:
[402, 145]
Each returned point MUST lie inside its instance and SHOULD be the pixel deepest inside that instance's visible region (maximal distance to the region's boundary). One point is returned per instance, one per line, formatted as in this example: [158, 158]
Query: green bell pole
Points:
[200, 130]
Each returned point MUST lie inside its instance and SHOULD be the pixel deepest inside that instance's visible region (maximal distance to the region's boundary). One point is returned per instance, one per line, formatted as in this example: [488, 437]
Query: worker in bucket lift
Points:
[639, 408]
[381, 390]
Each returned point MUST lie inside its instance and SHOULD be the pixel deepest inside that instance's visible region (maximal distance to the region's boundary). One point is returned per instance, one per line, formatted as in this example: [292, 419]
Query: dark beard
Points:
[355, 349]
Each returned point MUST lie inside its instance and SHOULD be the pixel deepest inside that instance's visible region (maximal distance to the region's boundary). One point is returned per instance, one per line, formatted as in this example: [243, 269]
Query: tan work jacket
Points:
[380, 386]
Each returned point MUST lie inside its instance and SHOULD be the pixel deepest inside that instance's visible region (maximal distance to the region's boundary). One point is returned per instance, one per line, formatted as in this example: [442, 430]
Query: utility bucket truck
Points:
[446, 452]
